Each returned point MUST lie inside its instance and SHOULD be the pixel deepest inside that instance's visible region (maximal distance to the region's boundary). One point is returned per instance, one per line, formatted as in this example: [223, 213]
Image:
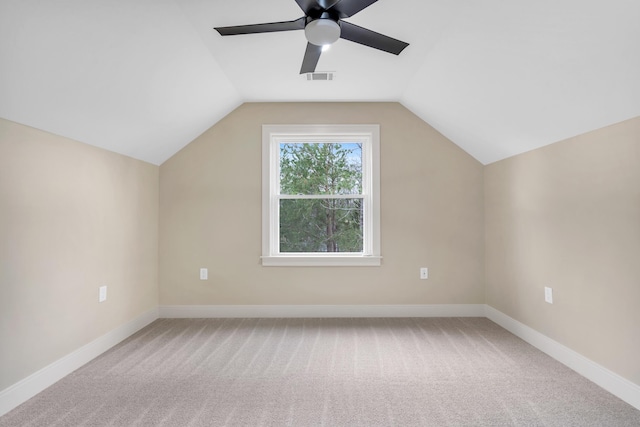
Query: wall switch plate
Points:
[424, 273]
[102, 294]
[204, 274]
[548, 295]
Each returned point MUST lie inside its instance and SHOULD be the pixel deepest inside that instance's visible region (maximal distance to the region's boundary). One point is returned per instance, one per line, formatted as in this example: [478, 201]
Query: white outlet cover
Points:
[102, 294]
[548, 295]
[424, 273]
[204, 274]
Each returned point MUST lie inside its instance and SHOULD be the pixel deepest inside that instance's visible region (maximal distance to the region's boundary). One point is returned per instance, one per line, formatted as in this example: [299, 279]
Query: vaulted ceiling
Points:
[144, 78]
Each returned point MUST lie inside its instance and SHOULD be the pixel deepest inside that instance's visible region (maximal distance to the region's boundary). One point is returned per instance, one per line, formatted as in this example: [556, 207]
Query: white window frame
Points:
[272, 136]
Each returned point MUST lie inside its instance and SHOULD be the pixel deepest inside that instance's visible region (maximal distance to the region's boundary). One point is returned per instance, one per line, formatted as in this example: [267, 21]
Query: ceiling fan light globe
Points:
[321, 32]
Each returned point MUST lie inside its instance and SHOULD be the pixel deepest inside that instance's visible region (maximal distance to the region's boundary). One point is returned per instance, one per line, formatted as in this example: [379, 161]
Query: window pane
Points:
[321, 225]
[321, 168]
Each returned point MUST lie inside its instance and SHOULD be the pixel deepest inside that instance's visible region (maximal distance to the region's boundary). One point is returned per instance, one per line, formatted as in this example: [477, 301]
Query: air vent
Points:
[323, 75]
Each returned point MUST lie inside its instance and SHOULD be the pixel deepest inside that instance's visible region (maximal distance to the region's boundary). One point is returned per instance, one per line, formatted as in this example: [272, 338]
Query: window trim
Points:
[272, 135]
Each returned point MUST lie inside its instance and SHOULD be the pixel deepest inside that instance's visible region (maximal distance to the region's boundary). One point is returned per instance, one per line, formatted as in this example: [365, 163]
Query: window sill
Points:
[321, 261]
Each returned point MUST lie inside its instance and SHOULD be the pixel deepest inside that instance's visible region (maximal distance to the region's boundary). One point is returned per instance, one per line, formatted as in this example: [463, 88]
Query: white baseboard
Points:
[25, 389]
[408, 310]
[610, 381]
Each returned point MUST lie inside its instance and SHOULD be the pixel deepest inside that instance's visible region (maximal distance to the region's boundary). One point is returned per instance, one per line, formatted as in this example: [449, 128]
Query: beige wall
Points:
[72, 217]
[567, 216]
[431, 215]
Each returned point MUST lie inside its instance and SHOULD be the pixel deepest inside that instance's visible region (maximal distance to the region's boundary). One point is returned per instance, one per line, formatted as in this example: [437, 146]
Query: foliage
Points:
[325, 224]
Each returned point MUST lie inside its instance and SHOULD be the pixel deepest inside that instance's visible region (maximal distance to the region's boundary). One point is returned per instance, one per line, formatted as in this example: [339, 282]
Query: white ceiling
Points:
[144, 78]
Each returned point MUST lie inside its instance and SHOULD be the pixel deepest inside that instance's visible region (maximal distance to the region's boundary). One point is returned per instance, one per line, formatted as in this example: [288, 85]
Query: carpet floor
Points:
[323, 372]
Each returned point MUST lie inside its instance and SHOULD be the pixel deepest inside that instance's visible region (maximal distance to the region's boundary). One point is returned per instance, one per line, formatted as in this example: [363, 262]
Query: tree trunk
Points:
[331, 221]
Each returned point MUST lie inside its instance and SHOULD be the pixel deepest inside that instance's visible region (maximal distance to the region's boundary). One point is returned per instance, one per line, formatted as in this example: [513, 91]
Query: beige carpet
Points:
[324, 372]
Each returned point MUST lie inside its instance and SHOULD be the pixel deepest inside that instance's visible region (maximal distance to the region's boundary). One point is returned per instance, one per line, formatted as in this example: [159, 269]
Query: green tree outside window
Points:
[321, 197]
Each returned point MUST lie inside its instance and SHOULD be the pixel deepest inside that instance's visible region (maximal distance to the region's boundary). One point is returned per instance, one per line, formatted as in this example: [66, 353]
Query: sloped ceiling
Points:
[144, 78]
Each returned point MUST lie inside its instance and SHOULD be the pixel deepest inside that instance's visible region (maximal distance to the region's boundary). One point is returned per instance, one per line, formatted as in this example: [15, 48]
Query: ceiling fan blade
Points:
[311, 57]
[310, 7]
[347, 8]
[370, 38]
[270, 27]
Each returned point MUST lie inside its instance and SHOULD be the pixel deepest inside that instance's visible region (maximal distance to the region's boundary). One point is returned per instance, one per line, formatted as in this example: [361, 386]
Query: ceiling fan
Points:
[323, 24]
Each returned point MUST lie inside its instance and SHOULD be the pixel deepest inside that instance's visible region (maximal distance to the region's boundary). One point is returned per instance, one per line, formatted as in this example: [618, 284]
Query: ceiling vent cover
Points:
[323, 75]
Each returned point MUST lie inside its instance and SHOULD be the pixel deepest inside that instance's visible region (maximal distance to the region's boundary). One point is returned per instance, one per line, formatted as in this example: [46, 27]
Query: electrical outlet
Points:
[204, 274]
[102, 294]
[424, 273]
[548, 295]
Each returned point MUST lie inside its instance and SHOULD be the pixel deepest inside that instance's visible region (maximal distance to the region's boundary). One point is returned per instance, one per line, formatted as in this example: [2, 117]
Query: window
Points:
[320, 195]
